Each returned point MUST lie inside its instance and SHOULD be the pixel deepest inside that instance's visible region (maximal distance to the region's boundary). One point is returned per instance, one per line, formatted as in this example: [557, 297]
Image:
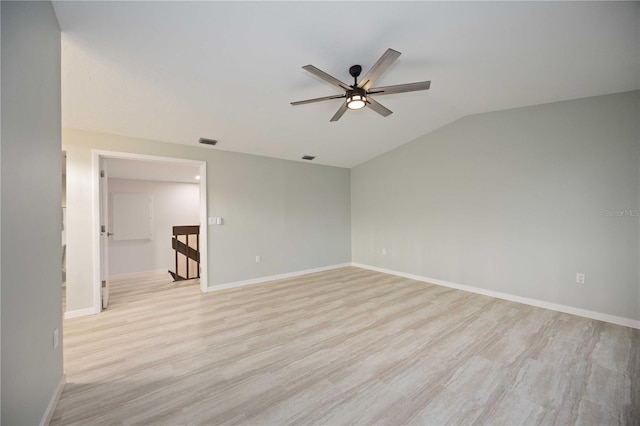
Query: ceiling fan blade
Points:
[385, 61]
[325, 98]
[400, 88]
[378, 107]
[326, 77]
[340, 112]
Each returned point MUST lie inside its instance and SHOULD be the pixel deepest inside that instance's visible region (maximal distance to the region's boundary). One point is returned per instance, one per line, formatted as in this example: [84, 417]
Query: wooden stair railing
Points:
[184, 238]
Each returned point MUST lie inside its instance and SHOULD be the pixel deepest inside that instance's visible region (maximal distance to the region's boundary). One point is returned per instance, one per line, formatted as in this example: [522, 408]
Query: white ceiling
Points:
[176, 71]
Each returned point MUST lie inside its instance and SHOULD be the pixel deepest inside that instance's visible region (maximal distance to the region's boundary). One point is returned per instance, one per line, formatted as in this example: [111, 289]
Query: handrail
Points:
[186, 249]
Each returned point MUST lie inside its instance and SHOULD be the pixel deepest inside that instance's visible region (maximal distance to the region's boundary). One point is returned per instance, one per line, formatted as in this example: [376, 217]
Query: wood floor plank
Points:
[348, 346]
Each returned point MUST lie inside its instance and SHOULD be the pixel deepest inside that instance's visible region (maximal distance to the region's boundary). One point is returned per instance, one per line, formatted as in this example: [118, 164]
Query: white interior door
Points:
[104, 234]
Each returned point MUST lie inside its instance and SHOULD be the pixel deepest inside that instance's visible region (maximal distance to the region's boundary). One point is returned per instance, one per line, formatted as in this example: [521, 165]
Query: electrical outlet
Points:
[55, 338]
[258, 259]
[579, 278]
[384, 252]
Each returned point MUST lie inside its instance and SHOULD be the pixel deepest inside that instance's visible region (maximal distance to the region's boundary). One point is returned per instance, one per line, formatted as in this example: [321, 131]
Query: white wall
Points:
[295, 215]
[174, 204]
[514, 201]
[31, 216]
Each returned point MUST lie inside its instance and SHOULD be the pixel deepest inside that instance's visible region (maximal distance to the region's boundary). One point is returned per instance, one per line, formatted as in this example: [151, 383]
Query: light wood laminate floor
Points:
[348, 346]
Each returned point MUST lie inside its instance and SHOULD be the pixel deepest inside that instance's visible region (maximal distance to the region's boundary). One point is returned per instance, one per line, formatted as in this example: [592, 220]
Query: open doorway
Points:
[64, 231]
[137, 201]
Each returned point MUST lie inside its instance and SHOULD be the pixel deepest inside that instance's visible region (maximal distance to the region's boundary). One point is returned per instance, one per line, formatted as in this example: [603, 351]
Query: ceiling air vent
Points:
[206, 141]
[308, 157]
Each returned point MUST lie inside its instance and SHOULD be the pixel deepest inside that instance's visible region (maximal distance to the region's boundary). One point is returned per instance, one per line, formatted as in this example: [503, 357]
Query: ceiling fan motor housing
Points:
[356, 91]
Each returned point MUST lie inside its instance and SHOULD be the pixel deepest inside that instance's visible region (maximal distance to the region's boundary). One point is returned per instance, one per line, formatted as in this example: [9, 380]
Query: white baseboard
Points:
[275, 277]
[81, 312]
[627, 322]
[53, 403]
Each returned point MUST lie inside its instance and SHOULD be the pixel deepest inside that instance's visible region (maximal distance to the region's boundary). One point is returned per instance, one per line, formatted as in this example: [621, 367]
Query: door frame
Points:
[96, 155]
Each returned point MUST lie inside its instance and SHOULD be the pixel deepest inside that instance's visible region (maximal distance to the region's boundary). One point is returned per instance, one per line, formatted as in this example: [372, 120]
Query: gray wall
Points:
[514, 201]
[31, 214]
[295, 215]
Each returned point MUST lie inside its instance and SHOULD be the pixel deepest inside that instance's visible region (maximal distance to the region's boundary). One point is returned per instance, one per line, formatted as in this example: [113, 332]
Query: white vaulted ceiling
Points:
[178, 71]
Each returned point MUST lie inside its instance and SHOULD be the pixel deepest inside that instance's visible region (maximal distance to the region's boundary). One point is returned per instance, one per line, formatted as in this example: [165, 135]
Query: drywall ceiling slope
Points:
[177, 71]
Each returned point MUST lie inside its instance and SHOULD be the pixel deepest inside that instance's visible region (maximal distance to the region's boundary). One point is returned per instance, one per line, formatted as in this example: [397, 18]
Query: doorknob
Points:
[109, 234]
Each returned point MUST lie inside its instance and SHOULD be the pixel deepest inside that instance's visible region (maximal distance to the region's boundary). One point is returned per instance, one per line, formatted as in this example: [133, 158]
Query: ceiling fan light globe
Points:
[356, 102]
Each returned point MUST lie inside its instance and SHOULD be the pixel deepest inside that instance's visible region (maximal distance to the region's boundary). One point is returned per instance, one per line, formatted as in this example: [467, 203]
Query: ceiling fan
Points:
[358, 95]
